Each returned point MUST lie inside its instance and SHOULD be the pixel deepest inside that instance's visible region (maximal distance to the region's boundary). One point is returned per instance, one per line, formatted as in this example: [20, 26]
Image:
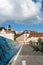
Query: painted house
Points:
[8, 33]
[28, 35]
[34, 36]
[22, 38]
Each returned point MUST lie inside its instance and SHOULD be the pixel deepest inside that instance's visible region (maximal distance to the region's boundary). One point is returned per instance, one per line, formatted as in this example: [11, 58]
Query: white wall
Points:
[8, 35]
[26, 37]
[34, 39]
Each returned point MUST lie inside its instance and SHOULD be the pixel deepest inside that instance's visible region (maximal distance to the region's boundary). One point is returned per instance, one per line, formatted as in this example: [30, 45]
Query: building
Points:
[22, 38]
[28, 35]
[34, 36]
[7, 33]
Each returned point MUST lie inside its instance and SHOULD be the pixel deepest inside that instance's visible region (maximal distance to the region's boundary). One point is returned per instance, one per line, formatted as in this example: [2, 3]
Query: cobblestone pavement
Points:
[30, 56]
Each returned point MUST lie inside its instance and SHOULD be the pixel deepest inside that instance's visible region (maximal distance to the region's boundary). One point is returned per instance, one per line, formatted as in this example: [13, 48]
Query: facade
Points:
[35, 36]
[28, 36]
[22, 39]
[8, 33]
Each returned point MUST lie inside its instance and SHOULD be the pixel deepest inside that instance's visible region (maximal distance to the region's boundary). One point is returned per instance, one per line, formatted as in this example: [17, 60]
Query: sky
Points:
[22, 14]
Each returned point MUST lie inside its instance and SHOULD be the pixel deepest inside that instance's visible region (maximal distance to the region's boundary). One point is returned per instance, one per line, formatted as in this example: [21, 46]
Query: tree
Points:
[30, 42]
[39, 40]
[2, 28]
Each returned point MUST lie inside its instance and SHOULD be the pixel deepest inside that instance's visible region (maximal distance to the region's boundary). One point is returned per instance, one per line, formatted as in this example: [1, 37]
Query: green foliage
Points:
[30, 42]
[2, 28]
[39, 40]
[16, 35]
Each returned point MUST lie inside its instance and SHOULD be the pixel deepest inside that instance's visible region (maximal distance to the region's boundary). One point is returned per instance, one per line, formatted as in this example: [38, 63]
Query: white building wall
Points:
[8, 35]
[25, 38]
[34, 39]
[20, 39]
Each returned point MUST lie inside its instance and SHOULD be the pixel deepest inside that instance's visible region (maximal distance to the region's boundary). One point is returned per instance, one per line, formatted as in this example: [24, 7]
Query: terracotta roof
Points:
[32, 33]
[8, 31]
[0, 30]
[36, 34]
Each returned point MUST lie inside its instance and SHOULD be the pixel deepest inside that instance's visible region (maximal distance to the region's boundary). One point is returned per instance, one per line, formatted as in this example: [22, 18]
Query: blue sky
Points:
[23, 15]
[20, 27]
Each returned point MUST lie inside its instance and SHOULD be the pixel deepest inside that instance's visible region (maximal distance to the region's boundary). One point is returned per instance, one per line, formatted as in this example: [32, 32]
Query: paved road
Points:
[28, 50]
[28, 56]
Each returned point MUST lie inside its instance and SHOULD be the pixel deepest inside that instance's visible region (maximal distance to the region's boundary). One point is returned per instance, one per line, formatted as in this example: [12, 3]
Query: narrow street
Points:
[28, 56]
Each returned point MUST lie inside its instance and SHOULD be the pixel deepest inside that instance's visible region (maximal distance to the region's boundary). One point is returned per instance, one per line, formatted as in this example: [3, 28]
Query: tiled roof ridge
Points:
[36, 34]
[8, 31]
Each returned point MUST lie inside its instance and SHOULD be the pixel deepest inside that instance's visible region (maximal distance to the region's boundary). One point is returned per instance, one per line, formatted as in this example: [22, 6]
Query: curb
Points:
[14, 60]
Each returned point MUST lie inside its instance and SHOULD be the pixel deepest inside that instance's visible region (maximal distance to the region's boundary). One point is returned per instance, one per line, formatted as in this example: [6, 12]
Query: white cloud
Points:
[29, 8]
[19, 10]
[39, 18]
[5, 8]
